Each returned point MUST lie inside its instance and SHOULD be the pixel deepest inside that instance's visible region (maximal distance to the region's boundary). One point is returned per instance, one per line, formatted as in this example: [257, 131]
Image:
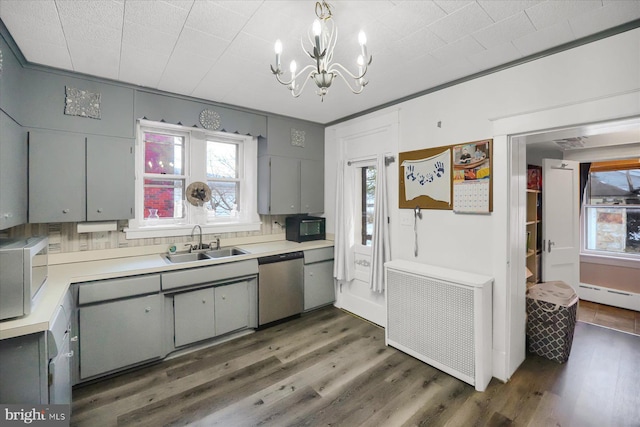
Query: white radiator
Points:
[442, 317]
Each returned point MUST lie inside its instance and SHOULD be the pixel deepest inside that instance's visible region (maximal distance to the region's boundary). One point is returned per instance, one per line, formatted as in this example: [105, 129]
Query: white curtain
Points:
[343, 267]
[380, 247]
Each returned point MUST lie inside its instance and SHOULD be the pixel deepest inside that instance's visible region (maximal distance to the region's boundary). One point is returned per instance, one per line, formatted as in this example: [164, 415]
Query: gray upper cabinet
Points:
[110, 178]
[13, 173]
[56, 177]
[73, 177]
[312, 186]
[292, 138]
[291, 168]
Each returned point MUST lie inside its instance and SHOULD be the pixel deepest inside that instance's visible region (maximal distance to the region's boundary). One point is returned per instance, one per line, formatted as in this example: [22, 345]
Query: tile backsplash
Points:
[64, 237]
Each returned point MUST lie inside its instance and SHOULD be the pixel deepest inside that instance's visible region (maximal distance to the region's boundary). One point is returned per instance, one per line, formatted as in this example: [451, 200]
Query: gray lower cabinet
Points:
[23, 369]
[209, 312]
[118, 334]
[319, 288]
[119, 323]
[232, 307]
[36, 368]
[194, 316]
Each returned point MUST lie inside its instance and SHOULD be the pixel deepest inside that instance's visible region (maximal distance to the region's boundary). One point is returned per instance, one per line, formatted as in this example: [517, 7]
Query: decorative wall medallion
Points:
[82, 103]
[209, 119]
[297, 137]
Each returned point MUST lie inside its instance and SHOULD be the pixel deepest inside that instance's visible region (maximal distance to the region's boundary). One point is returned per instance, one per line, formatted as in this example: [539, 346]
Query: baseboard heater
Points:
[442, 317]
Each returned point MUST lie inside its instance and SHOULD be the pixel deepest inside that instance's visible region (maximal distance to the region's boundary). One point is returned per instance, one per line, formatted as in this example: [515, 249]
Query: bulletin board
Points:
[426, 178]
[473, 177]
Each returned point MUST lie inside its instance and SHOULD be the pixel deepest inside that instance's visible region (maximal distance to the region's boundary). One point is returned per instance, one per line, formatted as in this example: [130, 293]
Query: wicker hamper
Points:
[551, 319]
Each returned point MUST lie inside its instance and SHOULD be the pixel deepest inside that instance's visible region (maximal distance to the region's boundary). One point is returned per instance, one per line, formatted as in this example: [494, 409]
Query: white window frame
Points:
[195, 170]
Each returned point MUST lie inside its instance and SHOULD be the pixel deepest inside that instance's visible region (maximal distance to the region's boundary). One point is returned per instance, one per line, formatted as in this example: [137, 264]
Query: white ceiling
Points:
[221, 50]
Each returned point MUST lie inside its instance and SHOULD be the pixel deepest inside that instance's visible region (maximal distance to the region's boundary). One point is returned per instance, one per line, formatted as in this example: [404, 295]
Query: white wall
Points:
[595, 82]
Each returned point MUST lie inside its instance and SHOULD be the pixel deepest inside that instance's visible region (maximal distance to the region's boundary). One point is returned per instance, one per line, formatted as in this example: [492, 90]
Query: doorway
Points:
[597, 142]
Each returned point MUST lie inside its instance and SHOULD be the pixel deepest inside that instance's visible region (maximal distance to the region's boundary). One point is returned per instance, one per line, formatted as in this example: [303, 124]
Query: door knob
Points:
[550, 243]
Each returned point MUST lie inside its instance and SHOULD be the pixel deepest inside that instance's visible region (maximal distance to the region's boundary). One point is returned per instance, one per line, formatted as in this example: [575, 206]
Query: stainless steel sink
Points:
[225, 252]
[192, 256]
[198, 256]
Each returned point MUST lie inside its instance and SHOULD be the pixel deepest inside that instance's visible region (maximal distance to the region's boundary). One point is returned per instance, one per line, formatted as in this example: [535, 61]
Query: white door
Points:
[561, 221]
[360, 144]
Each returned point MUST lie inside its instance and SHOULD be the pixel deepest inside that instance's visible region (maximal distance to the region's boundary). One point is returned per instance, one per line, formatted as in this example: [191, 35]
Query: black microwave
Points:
[302, 228]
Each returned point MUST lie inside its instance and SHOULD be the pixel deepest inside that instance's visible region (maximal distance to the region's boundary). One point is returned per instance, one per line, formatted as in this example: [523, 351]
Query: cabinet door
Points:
[110, 178]
[56, 177]
[13, 173]
[318, 284]
[312, 186]
[285, 186]
[60, 375]
[120, 333]
[232, 307]
[193, 316]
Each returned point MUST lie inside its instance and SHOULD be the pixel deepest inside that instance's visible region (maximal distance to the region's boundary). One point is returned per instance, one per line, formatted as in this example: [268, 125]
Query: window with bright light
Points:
[367, 203]
[169, 158]
[612, 211]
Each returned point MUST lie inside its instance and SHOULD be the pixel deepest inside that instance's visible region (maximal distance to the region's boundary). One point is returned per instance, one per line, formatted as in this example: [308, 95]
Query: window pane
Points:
[224, 197]
[368, 177]
[222, 160]
[613, 229]
[165, 196]
[163, 154]
[614, 187]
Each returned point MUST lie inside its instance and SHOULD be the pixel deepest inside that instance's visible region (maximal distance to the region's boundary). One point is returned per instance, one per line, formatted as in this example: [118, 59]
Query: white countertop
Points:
[61, 276]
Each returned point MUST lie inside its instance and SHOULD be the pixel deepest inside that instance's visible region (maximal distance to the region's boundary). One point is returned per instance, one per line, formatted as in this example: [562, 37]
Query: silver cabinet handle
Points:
[66, 211]
[74, 338]
[204, 301]
[99, 210]
[224, 297]
[147, 310]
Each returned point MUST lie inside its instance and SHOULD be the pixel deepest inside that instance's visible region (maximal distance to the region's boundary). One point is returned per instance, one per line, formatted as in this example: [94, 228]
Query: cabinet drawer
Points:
[317, 255]
[214, 273]
[105, 290]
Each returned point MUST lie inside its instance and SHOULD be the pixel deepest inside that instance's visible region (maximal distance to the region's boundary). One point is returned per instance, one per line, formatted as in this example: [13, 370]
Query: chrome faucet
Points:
[217, 242]
[200, 236]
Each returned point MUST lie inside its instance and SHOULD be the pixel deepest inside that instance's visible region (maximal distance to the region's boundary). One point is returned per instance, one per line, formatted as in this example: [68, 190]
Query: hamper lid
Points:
[558, 293]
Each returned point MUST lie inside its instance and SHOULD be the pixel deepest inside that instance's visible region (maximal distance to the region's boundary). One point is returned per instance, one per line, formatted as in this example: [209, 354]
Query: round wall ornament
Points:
[209, 119]
[198, 193]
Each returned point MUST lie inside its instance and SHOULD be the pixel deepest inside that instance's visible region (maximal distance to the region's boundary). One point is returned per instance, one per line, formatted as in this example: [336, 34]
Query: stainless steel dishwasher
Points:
[280, 286]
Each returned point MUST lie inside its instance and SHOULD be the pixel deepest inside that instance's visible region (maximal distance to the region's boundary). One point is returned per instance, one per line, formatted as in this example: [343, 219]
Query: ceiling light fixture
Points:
[322, 36]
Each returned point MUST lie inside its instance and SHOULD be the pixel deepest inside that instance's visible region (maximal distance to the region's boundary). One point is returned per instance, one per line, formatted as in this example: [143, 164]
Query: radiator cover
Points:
[441, 317]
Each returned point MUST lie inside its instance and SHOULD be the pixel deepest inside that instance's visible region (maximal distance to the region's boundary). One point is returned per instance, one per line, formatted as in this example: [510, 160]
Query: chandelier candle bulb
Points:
[317, 30]
[278, 49]
[362, 39]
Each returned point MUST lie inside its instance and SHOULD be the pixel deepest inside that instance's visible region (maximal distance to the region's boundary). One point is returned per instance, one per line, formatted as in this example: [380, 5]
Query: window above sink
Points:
[171, 157]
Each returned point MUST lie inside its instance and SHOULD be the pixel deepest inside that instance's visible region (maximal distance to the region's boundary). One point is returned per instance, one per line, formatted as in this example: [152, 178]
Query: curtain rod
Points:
[387, 160]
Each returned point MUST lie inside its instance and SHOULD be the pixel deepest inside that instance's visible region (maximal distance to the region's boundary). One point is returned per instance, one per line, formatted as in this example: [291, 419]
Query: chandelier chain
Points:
[323, 10]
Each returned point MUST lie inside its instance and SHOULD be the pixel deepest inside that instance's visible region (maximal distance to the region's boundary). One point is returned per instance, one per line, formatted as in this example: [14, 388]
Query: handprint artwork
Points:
[429, 177]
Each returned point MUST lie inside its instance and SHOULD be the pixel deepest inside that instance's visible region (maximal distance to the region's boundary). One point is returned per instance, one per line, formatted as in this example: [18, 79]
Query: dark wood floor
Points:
[329, 368]
[611, 317]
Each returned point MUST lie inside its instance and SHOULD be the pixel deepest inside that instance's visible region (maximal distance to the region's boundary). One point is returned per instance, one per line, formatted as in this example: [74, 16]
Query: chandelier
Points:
[322, 38]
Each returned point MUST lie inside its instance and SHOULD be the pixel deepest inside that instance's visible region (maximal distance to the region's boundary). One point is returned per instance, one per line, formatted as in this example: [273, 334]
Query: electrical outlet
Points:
[101, 237]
